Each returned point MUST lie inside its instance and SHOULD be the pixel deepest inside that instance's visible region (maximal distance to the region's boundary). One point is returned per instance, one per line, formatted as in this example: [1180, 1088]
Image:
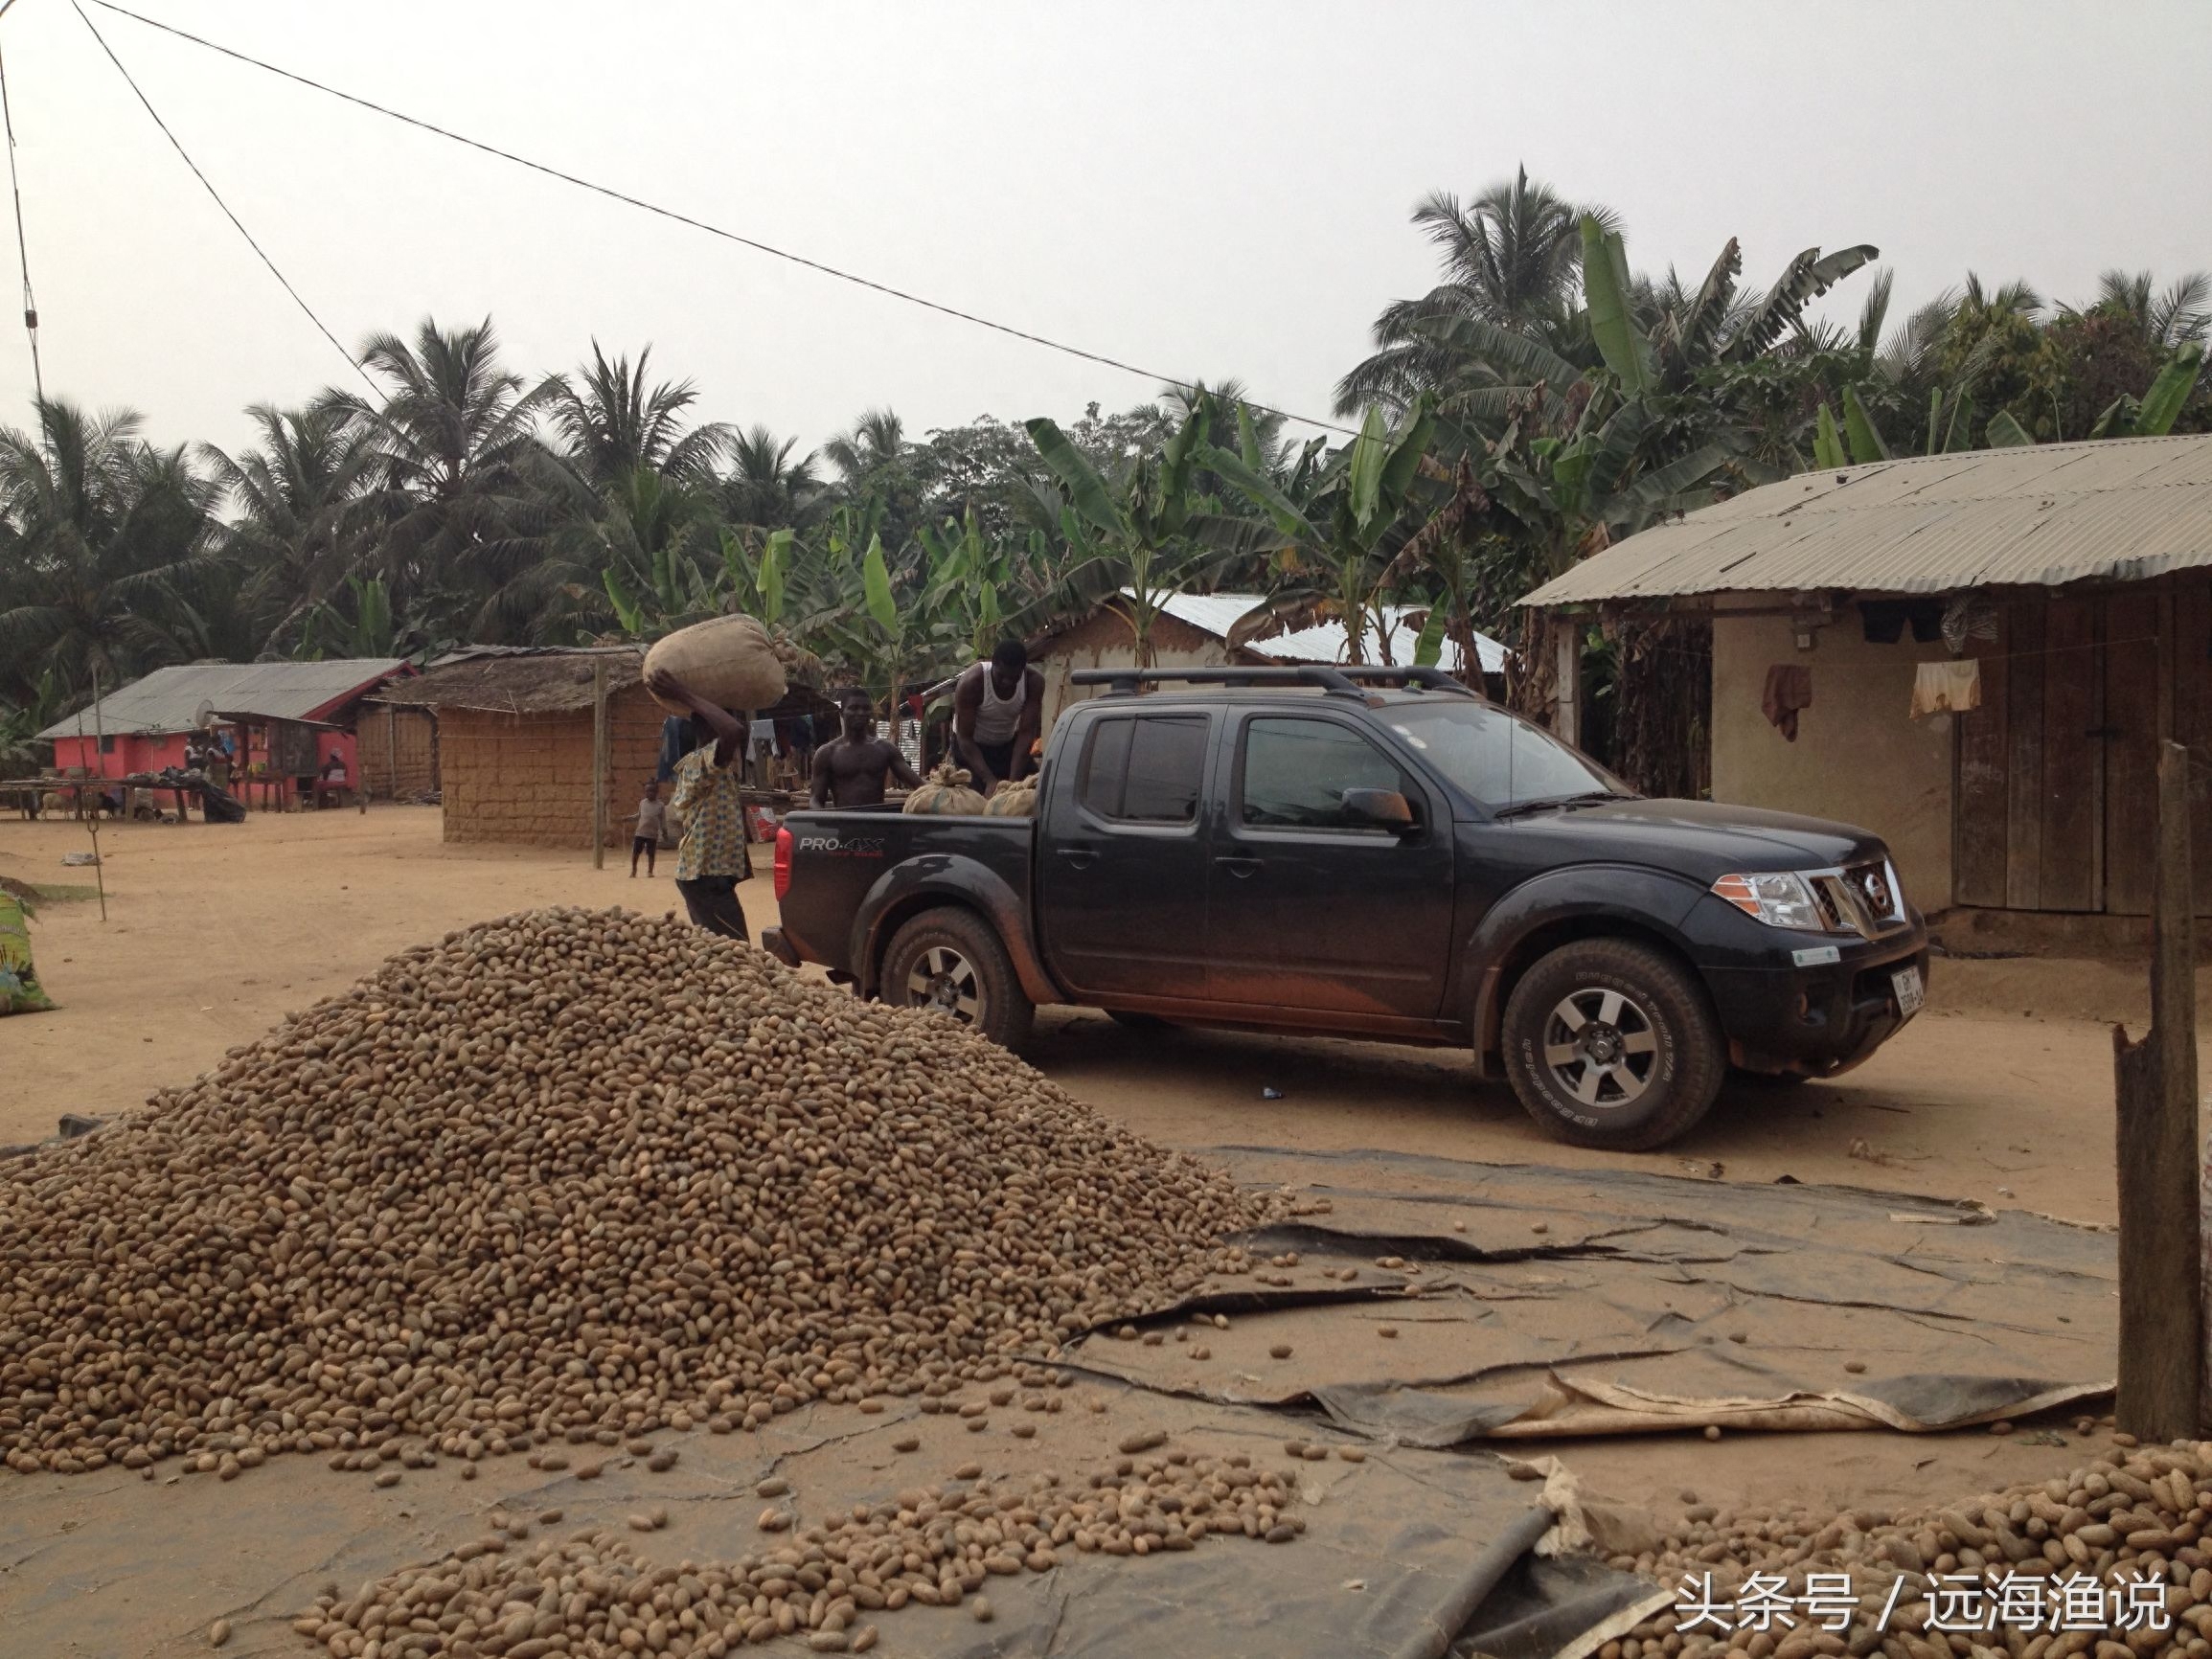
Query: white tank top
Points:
[998, 716]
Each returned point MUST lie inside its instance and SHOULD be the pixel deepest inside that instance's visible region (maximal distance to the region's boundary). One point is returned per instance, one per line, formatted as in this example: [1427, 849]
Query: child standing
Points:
[650, 812]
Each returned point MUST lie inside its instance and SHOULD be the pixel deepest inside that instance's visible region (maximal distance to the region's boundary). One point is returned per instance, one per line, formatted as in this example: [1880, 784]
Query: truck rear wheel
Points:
[1611, 1044]
[951, 960]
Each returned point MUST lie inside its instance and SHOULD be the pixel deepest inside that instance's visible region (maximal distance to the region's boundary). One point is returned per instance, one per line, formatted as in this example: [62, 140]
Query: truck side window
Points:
[1145, 769]
[1296, 772]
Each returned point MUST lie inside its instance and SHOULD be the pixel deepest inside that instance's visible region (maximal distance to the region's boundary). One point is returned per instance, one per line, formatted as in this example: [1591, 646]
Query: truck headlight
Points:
[1780, 899]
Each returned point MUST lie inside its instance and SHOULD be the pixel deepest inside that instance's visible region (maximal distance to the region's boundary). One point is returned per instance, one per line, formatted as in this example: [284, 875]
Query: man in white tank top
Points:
[997, 710]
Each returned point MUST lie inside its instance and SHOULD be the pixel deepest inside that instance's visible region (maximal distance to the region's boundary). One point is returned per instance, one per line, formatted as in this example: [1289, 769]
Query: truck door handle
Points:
[1081, 857]
[1238, 867]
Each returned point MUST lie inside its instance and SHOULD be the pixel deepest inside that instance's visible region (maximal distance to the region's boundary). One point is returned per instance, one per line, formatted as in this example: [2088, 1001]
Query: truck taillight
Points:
[783, 864]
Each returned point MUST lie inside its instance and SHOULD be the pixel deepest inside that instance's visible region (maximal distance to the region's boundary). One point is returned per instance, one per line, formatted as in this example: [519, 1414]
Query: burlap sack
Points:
[1014, 800]
[945, 791]
[727, 660]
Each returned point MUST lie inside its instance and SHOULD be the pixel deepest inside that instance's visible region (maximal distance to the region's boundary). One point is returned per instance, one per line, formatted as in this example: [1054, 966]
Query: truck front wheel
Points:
[951, 960]
[1611, 1044]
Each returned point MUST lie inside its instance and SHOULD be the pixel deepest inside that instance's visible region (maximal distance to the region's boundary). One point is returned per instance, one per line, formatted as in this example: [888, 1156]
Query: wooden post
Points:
[98, 771]
[392, 750]
[598, 763]
[1567, 638]
[2161, 1308]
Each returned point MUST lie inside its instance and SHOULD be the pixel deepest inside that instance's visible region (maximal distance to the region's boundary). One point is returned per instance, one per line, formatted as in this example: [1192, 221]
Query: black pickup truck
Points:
[1375, 853]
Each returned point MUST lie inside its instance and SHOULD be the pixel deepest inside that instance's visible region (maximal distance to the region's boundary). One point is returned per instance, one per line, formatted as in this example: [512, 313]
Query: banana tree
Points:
[1337, 537]
[2154, 414]
[970, 579]
[758, 584]
[890, 640]
[1145, 538]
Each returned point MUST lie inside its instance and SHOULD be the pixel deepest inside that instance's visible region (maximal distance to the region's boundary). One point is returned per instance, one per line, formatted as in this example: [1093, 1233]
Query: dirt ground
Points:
[2002, 1092]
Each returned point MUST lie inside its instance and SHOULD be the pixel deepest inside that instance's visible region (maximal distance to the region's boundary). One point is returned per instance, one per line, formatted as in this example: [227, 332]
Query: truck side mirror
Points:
[1379, 810]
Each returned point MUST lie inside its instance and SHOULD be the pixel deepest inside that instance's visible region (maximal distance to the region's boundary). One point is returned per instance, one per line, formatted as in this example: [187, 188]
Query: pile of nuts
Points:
[2130, 1523]
[936, 1546]
[577, 1175]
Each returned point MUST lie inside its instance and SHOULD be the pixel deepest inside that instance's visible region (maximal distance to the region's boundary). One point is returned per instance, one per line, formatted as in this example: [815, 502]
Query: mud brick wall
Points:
[525, 779]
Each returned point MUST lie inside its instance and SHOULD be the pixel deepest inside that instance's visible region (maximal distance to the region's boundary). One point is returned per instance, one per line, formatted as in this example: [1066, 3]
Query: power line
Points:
[682, 219]
[22, 245]
[262, 253]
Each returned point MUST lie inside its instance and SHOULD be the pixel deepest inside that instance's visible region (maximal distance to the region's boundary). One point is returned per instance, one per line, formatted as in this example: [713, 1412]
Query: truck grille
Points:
[1862, 898]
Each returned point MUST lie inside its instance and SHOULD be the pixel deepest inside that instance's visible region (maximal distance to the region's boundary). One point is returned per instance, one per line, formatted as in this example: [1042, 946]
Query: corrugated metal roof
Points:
[167, 699]
[2118, 510]
[1324, 643]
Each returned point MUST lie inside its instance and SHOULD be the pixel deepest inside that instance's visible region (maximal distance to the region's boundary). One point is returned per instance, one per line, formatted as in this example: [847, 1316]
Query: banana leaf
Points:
[1804, 280]
[2162, 402]
[1859, 426]
[1280, 508]
[1086, 490]
[1369, 451]
[1827, 444]
[875, 586]
[1429, 648]
[1605, 292]
[2003, 432]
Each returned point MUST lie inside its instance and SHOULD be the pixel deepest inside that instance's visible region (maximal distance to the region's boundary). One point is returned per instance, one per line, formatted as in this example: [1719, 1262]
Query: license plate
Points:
[1909, 994]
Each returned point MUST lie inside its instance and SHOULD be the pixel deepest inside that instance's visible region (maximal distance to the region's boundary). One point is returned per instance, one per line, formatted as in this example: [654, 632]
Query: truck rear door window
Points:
[1296, 772]
[1145, 769]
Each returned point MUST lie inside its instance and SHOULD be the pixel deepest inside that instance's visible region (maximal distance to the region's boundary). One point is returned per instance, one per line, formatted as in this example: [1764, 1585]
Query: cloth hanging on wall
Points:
[1789, 688]
[1950, 688]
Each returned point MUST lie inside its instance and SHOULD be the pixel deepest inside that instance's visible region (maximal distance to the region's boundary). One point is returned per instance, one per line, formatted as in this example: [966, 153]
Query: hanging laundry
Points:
[1947, 687]
[1789, 688]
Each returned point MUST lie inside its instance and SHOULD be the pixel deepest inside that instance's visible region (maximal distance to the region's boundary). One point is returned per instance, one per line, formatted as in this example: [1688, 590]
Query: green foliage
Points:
[1866, 443]
[1827, 443]
[1543, 401]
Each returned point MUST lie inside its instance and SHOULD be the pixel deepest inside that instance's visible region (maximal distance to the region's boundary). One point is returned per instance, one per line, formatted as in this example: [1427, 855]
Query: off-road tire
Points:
[951, 960]
[1586, 1098]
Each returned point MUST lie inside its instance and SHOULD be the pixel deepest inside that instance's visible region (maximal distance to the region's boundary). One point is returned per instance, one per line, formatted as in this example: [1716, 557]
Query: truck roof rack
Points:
[1343, 680]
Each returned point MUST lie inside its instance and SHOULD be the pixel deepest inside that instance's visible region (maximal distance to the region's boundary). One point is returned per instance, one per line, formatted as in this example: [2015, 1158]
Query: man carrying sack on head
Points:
[712, 858]
[997, 711]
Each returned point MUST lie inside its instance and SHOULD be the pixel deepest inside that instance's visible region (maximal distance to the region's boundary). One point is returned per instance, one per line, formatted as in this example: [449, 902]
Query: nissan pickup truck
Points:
[1380, 853]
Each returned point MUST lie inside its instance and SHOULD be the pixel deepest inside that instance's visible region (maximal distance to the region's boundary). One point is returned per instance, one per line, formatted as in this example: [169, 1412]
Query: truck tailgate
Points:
[843, 865]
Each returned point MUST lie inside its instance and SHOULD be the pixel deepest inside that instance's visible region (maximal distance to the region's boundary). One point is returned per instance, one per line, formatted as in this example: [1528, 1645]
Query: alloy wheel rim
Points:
[946, 981]
[1602, 1047]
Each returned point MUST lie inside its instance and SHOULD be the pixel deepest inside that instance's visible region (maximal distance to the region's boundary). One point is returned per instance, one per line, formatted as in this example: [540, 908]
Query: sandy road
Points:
[215, 932]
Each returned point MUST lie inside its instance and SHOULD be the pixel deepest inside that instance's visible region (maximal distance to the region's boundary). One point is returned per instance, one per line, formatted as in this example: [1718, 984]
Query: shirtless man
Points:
[998, 713]
[850, 768]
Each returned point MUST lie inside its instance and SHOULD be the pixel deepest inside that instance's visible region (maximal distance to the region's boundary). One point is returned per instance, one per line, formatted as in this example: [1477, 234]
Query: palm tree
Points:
[611, 422]
[878, 441]
[765, 489]
[292, 494]
[2182, 314]
[99, 528]
[1511, 258]
[462, 499]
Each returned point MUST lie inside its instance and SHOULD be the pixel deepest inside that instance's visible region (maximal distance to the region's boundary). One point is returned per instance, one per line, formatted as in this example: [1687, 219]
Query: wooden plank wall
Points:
[2056, 790]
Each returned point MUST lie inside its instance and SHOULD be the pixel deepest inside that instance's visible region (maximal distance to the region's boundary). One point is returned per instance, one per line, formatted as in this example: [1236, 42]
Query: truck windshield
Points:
[1499, 759]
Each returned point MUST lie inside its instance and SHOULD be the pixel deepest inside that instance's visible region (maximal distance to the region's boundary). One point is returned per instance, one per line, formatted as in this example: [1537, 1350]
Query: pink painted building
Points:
[141, 727]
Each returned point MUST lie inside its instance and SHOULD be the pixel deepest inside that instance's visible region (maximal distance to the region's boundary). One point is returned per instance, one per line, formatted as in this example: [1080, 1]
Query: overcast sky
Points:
[1201, 189]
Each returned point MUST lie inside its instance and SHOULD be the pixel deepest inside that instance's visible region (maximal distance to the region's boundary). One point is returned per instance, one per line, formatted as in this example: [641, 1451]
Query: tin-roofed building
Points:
[1974, 654]
[302, 713]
